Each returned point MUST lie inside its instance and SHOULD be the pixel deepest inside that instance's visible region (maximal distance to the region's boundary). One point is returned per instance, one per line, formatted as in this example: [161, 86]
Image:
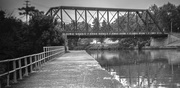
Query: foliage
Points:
[2, 15]
[96, 25]
[133, 42]
[18, 38]
[43, 32]
[166, 15]
[10, 36]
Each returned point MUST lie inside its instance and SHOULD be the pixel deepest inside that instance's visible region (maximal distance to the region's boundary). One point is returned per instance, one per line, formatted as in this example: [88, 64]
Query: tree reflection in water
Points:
[142, 69]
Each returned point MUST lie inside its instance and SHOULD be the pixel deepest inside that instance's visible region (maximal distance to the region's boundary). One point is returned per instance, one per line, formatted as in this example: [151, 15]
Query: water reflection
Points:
[142, 69]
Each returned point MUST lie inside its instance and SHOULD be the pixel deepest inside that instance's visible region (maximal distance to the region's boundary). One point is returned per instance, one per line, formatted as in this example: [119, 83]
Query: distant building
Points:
[108, 41]
[95, 42]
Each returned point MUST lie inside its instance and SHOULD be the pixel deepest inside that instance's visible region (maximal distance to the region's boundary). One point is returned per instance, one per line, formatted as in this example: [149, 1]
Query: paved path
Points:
[76, 69]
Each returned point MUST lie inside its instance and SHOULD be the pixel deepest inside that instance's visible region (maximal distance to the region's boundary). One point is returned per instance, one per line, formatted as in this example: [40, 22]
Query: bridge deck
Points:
[76, 69]
[114, 35]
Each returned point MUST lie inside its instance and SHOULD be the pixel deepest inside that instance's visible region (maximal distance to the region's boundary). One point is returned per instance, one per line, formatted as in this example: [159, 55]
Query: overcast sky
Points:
[11, 6]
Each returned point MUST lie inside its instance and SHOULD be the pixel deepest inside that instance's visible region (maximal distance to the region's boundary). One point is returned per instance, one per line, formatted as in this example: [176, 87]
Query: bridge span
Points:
[93, 22]
[115, 35]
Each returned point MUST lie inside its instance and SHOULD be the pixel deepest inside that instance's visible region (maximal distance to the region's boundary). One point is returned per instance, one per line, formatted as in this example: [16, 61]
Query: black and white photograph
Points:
[89, 43]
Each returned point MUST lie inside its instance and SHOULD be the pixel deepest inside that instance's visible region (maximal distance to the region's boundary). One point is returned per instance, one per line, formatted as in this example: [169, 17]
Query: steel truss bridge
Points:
[94, 22]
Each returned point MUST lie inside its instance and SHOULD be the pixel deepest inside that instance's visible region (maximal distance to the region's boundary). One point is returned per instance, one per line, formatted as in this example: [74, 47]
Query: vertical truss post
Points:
[61, 18]
[98, 20]
[118, 21]
[86, 24]
[128, 23]
[75, 21]
[137, 23]
[108, 21]
[146, 20]
[51, 12]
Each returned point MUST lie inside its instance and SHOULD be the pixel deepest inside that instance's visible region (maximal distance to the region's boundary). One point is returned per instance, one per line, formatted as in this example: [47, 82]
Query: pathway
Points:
[76, 69]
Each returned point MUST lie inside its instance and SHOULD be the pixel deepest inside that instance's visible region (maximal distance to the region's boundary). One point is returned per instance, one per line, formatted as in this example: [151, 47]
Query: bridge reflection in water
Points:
[142, 69]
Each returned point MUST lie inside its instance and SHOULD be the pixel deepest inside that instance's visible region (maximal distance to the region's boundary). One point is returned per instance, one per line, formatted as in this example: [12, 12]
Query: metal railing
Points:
[112, 33]
[25, 65]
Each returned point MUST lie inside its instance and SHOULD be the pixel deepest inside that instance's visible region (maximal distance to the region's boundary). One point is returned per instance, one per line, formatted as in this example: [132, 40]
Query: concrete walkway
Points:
[76, 69]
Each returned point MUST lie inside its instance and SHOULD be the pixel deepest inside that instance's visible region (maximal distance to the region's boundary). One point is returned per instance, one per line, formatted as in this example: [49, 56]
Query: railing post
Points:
[38, 60]
[31, 66]
[20, 70]
[48, 54]
[41, 59]
[35, 57]
[8, 80]
[45, 54]
[51, 54]
[14, 73]
[37, 63]
[26, 68]
[0, 83]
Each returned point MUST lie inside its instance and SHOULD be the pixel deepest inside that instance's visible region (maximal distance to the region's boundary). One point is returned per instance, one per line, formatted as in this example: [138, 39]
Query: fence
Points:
[25, 65]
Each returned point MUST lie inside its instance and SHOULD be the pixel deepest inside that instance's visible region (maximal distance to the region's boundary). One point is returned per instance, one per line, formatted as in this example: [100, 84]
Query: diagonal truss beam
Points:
[102, 16]
[80, 15]
[68, 14]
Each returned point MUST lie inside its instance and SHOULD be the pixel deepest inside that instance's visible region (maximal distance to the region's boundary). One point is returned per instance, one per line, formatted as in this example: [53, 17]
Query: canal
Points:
[141, 69]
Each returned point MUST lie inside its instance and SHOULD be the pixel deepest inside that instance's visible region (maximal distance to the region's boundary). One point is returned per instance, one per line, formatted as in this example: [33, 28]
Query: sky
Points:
[11, 6]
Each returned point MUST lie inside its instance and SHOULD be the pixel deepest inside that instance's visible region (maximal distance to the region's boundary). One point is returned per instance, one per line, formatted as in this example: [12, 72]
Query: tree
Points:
[10, 35]
[168, 15]
[43, 32]
[178, 18]
[96, 25]
[122, 22]
[104, 26]
[2, 15]
[154, 9]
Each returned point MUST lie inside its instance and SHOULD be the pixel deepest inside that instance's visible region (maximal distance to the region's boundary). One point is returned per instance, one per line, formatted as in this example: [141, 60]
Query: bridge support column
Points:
[159, 41]
[65, 43]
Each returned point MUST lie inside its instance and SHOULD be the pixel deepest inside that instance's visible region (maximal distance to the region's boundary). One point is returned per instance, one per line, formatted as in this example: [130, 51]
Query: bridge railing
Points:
[111, 33]
[23, 66]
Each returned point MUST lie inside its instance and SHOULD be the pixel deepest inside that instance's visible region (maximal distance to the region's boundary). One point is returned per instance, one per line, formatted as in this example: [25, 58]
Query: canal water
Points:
[141, 69]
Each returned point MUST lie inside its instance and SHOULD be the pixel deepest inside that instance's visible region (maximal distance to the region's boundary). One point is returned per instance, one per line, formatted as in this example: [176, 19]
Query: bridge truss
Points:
[92, 21]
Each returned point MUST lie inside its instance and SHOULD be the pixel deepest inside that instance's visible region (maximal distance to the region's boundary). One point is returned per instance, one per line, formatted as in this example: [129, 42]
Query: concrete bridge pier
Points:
[65, 43]
[159, 41]
[171, 40]
[69, 43]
